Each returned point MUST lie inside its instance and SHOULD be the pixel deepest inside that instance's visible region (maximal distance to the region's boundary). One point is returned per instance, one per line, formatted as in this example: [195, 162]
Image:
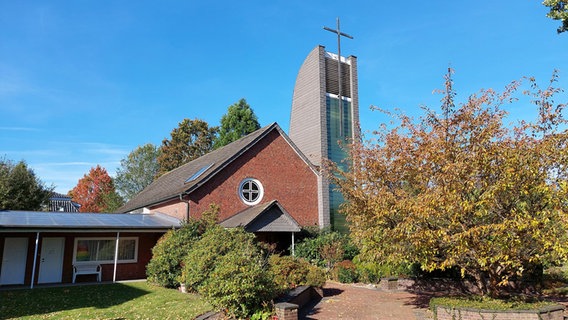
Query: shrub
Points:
[316, 276]
[369, 272]
[326, 248]
[229, 269]
[164, 268]
[289, 272]
[345, 272]
[372, 272]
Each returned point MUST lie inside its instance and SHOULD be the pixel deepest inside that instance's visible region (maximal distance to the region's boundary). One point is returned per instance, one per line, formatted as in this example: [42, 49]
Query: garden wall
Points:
[452, 313]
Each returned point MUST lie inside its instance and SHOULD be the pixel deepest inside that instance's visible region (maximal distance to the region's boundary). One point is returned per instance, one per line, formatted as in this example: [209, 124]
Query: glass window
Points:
[102, 250]
[199, 173]
[251, 191]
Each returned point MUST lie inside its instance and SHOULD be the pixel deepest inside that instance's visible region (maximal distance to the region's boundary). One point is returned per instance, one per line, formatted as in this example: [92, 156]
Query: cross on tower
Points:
[340, 99]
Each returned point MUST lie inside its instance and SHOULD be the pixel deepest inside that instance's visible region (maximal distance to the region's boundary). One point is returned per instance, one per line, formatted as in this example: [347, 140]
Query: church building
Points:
[261, 182]
[270, 182]
[267, 182]
[269, 169]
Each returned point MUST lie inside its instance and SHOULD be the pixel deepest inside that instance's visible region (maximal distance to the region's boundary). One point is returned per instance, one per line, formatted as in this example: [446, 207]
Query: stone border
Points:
[440, 312]
[390, 283]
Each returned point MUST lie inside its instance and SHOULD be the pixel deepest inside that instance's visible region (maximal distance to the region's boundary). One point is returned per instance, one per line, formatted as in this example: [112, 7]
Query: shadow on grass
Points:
[20, 303]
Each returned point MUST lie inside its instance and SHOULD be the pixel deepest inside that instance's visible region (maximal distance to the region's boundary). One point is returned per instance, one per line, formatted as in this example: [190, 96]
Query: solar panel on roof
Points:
[35, 219]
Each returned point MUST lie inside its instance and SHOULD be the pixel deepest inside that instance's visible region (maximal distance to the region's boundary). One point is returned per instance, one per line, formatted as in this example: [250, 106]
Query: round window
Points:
[251, 191]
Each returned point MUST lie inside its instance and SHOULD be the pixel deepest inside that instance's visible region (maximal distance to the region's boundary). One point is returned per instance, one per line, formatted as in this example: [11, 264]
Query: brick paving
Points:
[347, 301]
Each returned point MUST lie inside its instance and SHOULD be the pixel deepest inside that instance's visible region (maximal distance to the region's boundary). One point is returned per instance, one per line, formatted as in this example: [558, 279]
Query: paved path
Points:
[346, 301]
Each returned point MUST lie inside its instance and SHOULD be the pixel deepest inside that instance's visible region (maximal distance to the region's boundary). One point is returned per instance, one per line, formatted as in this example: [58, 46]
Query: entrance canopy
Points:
[266, 217]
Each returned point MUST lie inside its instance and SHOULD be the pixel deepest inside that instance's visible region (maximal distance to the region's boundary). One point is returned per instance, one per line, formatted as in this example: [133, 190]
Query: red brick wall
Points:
[283, 174]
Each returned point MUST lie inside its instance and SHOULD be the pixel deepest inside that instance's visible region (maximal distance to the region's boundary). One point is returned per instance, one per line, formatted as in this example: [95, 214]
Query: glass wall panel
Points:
[340, 131]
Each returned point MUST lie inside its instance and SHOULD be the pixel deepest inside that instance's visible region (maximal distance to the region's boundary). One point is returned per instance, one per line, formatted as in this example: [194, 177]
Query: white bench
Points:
[79, 269]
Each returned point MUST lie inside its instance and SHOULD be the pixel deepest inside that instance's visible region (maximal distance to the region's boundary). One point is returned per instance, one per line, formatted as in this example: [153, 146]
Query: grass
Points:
[135, 300]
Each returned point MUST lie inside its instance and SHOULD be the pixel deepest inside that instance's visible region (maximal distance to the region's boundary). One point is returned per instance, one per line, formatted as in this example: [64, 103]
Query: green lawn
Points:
[135, 300]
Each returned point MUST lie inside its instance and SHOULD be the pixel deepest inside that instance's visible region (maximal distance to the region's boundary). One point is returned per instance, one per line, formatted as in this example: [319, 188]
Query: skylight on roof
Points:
[199, 173]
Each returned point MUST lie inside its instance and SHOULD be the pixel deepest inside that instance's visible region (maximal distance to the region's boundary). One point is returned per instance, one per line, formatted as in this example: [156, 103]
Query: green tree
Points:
[239, 121]
[189, 141]
[112, 201]
[137, 170]
[558, 11]
[20, 188]
[462, 189]
[95, 192]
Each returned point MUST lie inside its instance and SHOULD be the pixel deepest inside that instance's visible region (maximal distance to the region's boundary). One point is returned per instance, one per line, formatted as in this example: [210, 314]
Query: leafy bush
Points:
[165, 267]
[204, 256]
[345, 272]
[230, 270]
[369, 272]
[372, 272]
[168, 254]
[262, 315]
[290, 272]
[326, 248]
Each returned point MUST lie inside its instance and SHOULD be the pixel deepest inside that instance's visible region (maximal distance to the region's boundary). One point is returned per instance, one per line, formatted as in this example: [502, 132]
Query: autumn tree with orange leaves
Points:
[95, 192]
[462, 188]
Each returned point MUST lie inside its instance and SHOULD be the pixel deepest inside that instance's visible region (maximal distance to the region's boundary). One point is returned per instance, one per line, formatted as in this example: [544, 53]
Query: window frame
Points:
[260, 191]
[113, 239]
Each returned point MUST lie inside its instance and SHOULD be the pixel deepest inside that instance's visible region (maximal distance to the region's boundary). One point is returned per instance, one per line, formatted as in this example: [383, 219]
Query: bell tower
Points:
[325, 114]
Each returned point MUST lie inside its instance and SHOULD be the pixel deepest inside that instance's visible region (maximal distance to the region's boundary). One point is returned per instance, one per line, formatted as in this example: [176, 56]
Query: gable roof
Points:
[36, 221]
[190, 176]
[267, 217]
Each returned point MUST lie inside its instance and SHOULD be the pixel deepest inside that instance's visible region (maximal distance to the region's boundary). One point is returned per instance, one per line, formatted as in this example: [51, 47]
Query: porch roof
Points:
[267, 217]
[38, 220]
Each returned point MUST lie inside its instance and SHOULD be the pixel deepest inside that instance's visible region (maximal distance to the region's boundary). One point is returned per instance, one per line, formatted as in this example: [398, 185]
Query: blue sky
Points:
[85, 82]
